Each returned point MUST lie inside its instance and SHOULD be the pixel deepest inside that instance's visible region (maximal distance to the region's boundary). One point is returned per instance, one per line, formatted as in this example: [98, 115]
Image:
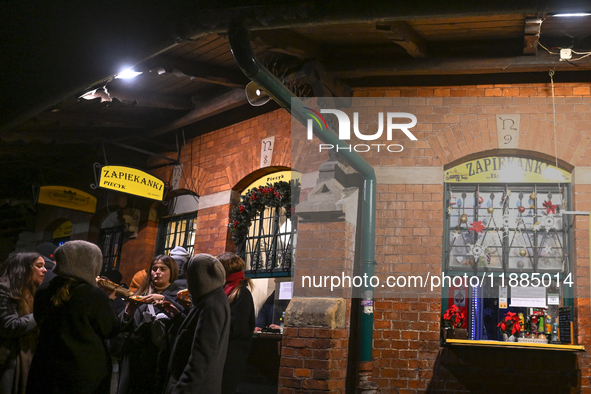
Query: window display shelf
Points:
[501, 344]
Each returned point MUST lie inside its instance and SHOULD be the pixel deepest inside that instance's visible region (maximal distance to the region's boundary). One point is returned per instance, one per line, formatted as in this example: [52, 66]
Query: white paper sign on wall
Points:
[267, 146]
[177, 172]
[508, 131]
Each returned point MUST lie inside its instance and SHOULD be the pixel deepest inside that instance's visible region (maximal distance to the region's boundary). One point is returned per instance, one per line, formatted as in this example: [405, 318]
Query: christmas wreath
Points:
[254, 202]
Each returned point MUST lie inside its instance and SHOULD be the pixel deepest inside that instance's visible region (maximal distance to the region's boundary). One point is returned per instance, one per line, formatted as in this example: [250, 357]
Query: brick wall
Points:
[454, 122]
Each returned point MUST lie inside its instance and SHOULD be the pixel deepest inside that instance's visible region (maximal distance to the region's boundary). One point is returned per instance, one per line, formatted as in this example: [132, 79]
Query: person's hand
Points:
[153, 297]
[258, 329]
[168, 308]
[113, 294]
[274, 326]
[131, 308]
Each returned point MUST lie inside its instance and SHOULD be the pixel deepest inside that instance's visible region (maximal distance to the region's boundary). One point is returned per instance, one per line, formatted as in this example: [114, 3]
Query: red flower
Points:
[511, 324]
[549, 206]
[477, 226]
[454, 316]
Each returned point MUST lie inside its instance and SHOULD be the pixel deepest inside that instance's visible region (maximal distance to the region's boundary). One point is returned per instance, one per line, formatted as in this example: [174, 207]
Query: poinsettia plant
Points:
[510, 324]
[454, 317]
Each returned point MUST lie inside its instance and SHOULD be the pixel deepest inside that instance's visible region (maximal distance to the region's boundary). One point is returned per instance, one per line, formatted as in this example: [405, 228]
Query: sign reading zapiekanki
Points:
[132, 181]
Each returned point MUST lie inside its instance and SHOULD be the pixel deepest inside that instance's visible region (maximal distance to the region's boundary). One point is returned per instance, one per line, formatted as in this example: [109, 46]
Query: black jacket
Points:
[141, 365]
[241, 330]
[198, 354]
[14, 329]
[72, 356]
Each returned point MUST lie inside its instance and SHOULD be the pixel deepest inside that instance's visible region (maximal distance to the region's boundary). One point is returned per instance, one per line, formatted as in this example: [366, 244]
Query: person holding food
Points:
[242, 319]
[75, 317]
[147, 319]
[22, 274]
[199, 351]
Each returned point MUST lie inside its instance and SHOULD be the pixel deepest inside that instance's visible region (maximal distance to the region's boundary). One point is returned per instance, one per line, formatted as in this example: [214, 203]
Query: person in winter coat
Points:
[199, 351]
[148, 328]
[75, 317]
[242, 319]
[22, 274]
[181, 256]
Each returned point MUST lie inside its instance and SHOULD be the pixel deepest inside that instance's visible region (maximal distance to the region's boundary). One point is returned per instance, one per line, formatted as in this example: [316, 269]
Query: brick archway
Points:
[457, 141]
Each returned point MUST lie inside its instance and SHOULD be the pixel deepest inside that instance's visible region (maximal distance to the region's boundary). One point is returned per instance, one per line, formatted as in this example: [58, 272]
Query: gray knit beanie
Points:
[79, 259]
[204, 274]
[181, 256]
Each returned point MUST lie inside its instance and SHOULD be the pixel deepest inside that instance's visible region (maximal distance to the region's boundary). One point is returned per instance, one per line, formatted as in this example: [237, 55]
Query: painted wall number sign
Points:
[267, 146]
[508, 131]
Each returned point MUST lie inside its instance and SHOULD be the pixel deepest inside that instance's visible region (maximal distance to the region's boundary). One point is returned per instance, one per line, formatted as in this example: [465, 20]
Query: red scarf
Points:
[232, 281]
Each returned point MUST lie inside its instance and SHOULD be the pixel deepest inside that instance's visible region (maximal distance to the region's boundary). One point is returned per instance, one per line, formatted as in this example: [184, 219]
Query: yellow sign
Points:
[131, 181]
[64, 230]
[506, 170]
[67, 197]
[285, 176]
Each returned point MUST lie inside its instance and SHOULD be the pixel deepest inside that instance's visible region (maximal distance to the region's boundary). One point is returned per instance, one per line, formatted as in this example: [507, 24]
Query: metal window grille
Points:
[111, 240]
[268, 249]
[177, 231]
[513, 240]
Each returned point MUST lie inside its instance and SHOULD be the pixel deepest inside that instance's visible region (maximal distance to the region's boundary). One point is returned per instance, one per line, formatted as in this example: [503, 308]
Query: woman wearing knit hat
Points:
[199, 351]
[75, 317]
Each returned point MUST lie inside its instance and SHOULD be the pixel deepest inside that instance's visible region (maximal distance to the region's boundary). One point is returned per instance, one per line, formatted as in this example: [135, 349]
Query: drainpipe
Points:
[242, 51]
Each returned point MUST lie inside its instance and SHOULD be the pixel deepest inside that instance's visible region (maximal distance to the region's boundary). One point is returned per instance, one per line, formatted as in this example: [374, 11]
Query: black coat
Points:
[18, 335]
[241, 330]
[199, 351]
[141, 364]
[72, 356]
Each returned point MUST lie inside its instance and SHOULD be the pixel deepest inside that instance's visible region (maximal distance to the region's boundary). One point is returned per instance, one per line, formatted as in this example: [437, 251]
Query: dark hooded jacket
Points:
[72, 356]
[199, 351]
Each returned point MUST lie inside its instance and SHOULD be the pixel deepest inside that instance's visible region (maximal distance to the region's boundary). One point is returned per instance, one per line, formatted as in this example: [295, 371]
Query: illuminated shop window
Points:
[506, 227]
[269, 234]
[176, 231]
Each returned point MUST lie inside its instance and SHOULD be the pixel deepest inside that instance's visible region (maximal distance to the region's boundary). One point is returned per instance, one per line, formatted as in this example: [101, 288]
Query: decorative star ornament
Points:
[456, 235]
[477, 251]
[548, 249]
[548, 222]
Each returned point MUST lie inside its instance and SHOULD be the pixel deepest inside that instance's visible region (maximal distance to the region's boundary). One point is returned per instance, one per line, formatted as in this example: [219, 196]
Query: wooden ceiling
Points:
[190, 83]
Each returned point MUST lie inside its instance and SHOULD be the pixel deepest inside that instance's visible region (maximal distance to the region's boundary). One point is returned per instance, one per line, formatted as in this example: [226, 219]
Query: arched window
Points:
[263, 227]
[507, 229]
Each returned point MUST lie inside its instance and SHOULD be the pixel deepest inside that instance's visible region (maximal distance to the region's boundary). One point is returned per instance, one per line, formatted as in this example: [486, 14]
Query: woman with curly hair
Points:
[22, 273]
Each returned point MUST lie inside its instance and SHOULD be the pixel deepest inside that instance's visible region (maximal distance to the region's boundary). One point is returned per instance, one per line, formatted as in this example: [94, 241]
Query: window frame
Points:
[162, 238]
[114, 248]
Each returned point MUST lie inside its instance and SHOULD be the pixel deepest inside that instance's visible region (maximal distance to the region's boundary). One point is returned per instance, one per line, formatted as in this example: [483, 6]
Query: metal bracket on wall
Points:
[130, 147]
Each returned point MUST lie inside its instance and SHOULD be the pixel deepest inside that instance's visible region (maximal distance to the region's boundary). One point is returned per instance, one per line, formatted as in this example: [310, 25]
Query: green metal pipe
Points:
[242, 51]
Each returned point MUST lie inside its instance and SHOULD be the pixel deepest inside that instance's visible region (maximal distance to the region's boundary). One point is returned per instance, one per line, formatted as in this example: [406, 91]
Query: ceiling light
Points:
[572, 14]
[128, 74]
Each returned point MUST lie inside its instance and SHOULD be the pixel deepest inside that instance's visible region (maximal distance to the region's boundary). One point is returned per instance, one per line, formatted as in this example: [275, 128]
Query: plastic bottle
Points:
[281, 322]
[548, 325]
[541, 327]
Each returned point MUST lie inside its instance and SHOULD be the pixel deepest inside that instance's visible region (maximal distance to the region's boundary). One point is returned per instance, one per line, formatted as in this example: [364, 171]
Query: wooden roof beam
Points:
[531, 35]
[198, 71]
[378, 67]
[402, 34]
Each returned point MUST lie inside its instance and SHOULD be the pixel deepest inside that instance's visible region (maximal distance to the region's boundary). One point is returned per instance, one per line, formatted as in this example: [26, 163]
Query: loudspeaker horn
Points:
[255, 95]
